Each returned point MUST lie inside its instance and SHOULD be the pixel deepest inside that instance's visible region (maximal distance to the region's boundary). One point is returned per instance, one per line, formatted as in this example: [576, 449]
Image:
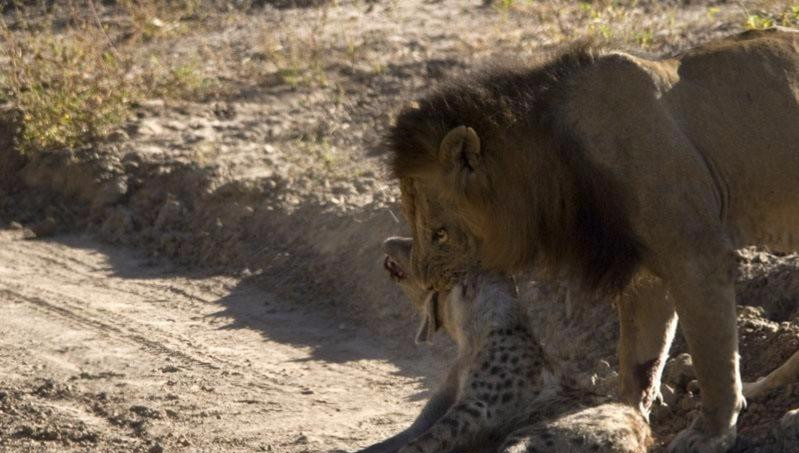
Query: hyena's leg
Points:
[609, 428]
[648, 320]
[436, 407]
[787, 373]
[461, 425]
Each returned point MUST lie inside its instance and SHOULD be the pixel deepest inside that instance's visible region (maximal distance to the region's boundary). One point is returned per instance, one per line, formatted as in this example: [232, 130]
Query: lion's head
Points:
[443, 249]
[487, 172]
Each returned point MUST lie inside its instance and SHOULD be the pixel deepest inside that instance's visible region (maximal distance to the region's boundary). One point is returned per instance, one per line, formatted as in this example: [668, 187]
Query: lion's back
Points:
[717, 125]
[738, 102]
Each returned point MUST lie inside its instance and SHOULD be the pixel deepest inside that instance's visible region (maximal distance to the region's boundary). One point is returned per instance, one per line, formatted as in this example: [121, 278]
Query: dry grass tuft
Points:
[75, 74]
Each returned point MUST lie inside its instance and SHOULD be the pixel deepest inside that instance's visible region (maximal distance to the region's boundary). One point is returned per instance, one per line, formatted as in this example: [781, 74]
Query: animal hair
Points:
[569, 219]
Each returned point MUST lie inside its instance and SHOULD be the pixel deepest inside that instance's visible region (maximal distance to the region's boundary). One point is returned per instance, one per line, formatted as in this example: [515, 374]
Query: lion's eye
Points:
[440, 236]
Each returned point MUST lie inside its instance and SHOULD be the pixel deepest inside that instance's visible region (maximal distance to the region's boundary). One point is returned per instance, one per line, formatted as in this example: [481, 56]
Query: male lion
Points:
[627, 176]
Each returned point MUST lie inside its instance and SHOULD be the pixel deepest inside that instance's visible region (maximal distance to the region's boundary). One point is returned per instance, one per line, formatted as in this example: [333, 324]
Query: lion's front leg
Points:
[704, 296]
[648, 321]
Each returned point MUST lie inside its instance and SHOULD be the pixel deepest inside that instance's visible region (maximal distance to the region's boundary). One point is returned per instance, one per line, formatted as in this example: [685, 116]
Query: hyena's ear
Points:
[430, 322]
[461, 148]
[398, 257]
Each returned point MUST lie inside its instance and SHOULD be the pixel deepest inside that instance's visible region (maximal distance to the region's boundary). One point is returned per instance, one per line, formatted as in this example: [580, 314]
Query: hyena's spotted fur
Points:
[608, 427]
[503, 393]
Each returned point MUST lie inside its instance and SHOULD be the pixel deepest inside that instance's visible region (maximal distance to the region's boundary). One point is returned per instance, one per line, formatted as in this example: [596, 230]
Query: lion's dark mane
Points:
[578, 223]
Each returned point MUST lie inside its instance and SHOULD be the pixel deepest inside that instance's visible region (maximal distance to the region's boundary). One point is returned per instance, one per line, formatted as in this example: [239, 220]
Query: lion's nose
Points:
[426, 282]
[418, 270]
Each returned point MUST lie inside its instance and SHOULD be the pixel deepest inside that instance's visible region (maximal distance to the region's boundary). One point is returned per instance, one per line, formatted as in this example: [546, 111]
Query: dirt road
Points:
[102, 349]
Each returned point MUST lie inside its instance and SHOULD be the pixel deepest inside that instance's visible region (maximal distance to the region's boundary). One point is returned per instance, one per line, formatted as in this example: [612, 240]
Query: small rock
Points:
[754, 408]
[301, 439]
[660, 413]
[668, 394]
[170, 369]
[225, 111]
[151, 127]
[15, 226]
[45, 228]
[679, 371]
[118, 223]
[111, 191]
[118, 135]
[363, 186]
[169, 214]
[687, 403]
[693, 387]
[157, 448]
[144, 411]
[153, 103]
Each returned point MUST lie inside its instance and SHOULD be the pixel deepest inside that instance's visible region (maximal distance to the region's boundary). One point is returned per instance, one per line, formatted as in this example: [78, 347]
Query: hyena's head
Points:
[457, 309]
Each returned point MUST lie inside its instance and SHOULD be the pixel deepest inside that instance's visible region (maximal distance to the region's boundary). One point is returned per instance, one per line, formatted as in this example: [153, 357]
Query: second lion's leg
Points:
[787, 373]
[704, 295]
[648, 321]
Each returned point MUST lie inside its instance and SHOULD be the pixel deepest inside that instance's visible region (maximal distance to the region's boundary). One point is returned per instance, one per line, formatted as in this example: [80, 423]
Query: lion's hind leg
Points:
[789, 427]
[787, 373]
[611, 428]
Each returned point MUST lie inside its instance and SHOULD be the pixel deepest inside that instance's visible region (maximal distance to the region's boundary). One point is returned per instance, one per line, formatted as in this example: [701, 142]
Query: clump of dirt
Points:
[33, 420]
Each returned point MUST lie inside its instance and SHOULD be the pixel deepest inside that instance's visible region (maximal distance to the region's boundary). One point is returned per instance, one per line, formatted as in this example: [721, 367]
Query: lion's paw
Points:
[691, 440]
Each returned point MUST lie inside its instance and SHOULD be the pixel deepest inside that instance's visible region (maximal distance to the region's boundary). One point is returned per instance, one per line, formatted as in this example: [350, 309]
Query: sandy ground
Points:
[103, 350]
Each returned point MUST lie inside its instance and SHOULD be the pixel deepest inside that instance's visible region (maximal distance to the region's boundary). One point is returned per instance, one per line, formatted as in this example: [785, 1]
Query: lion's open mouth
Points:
[394, 269]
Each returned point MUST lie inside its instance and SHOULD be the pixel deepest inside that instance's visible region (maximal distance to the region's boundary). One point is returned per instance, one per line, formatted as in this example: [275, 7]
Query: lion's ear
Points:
[461, 147]
[429, 323]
